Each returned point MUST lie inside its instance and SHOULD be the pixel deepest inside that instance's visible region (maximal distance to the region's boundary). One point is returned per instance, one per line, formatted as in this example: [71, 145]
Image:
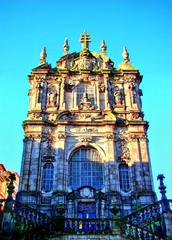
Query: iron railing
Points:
[87, 226]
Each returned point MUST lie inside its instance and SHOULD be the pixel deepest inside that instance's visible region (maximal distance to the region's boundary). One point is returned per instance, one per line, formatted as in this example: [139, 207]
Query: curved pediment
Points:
[85, 60]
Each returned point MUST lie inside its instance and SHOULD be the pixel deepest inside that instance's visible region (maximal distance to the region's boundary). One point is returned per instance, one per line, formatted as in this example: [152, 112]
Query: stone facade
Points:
[85, 146]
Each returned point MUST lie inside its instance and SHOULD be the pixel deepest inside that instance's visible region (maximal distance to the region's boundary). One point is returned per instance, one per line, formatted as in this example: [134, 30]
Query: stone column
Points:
[97, 96]
[167, 216]
[62, 95]
[75, 98]
[110, 159]
[70, 209]
[60, 171]
[34, 168]
[73, 106]
[128, 96]
[102, 210]
[140, 154]
[26, 162]
[107, 107]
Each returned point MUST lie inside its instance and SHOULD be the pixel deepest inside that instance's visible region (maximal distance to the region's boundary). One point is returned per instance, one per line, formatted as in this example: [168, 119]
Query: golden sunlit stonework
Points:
[85, 146]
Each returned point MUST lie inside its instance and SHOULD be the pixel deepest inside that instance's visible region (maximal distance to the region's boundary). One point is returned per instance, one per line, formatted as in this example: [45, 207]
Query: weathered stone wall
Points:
[109, 119]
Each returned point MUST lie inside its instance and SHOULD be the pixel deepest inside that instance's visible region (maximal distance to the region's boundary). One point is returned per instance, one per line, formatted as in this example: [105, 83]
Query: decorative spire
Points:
[43, 56]
[126, 65]
[85, 39]
[9, 202]
[162, 188]
[103, 47]
[65, 46]
[125, 55]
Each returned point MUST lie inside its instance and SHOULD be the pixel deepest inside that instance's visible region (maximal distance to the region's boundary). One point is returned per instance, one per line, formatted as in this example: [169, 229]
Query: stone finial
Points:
[85, 39]
[125, 55]
[43, 56]
[126, 64]
[162, 187]
[103, 47]
[65, 46]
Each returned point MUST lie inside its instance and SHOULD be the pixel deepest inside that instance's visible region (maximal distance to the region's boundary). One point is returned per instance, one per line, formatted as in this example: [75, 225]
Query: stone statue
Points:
[101, 87]
[52, 99]
[69, 86]
[40, 91]
[134, 93]
[118, 96]
[85, 103]
[124, 150]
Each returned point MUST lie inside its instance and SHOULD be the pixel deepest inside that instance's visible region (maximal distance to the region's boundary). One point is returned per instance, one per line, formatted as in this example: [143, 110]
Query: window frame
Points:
[86, 168]
[124, 177]
[47, 177]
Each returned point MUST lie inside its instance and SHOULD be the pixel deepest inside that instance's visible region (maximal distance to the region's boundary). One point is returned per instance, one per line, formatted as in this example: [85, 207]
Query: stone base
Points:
[89, 237]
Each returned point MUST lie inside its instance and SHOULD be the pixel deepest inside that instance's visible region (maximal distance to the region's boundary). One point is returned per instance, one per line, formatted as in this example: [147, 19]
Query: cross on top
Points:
[85, 39]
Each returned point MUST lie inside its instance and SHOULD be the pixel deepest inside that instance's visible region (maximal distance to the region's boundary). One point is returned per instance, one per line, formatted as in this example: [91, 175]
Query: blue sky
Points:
[144, 27]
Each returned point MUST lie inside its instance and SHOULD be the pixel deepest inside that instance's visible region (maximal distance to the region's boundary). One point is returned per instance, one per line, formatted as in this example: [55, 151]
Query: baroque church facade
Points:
[85, 145]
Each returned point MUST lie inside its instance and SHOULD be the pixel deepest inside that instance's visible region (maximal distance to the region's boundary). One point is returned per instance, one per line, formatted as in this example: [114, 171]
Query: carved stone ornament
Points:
[143, 137]
[40, 78]
[101, 87]
[35, 116]
[69, 86]
[123, 135]
[110, 137]
[85, 139]
[130, 78]
[84, 130]
[61, 136]
[52, 117]
[50, 138]
[83, 116]
[85, 103]
[121, 115]
[124, 152]
[84, 63]
[48, 155]
[66, 116]
[137, 116]
[33, 136]
[136, 137]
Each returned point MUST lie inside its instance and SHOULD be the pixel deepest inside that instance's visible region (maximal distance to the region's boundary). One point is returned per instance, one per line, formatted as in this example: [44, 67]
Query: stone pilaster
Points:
[167, 216]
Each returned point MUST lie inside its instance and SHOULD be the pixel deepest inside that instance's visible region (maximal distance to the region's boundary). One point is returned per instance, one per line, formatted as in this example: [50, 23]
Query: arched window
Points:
[124, 177]
[86, 168]
[83, 88]
[47, 177]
